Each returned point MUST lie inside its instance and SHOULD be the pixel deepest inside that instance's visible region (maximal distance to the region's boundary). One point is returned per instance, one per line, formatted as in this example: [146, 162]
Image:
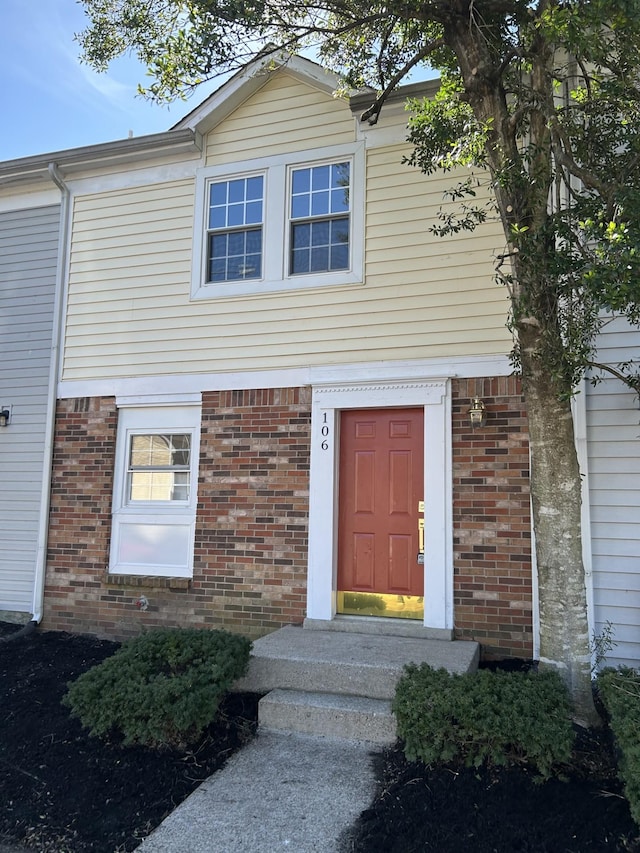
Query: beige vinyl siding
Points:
[613, 432]
[282, 117]
[130, 312]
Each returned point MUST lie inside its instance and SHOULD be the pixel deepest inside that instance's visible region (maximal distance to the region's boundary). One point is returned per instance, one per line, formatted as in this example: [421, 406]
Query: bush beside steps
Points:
[484, 717]
[162, 688]
[620, 693]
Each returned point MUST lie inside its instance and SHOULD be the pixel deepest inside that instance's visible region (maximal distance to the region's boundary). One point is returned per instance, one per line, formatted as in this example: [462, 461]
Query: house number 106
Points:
[325, 432]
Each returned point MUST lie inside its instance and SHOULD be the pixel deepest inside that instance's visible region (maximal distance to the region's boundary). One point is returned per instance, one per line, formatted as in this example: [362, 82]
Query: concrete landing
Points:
[357, 664]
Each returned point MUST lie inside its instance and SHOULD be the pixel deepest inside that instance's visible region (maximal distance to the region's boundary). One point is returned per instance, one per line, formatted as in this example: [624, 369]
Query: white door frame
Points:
[327, 403]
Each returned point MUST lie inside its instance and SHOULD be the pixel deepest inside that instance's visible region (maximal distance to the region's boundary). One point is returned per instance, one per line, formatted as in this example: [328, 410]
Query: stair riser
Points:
[266, 674]
[378, 729]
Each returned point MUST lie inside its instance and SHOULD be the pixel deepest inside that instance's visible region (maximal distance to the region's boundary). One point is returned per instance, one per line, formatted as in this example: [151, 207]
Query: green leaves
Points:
[161, 688]
[485, 717]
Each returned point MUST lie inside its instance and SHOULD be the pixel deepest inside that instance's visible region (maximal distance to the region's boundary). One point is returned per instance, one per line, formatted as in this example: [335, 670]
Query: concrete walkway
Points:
[294, 792]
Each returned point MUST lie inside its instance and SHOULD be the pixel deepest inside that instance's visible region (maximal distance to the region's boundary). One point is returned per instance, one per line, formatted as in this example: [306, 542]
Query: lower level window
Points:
[155, 491]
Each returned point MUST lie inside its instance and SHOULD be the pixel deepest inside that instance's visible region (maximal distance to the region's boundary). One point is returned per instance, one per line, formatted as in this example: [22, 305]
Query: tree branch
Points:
[632, 381]
[372, 113]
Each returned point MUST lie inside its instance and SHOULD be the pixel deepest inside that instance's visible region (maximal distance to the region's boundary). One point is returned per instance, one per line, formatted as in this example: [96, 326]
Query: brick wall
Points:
[491, 519]
[251, 525]
[80, 515]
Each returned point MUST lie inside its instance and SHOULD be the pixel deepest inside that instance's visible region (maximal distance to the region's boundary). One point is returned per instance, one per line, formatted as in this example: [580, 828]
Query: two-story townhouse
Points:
[268, 364]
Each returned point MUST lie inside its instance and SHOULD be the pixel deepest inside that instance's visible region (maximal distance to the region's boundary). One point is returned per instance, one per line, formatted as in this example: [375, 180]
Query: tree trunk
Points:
[556, 498]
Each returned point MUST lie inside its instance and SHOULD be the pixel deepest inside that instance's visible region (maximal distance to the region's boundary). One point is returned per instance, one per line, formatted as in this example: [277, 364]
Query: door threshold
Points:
[378, 625]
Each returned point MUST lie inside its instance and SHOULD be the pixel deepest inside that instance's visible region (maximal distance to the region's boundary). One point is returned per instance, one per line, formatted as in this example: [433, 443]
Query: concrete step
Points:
[352, 718]
[346, 663]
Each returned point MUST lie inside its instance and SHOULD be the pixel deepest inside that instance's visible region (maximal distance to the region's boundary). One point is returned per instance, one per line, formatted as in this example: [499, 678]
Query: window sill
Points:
[149, 581]
[265, 286]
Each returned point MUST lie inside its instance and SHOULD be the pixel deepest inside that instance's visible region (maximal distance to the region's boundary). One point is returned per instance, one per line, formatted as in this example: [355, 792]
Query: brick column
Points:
[491, 519]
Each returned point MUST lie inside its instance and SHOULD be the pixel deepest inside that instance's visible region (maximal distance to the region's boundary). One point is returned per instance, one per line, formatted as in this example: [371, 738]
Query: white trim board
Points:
[327, 403]
[466, 367]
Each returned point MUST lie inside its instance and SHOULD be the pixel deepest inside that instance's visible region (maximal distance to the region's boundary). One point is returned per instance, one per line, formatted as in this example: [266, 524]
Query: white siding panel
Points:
[28, 250]
[613, 432]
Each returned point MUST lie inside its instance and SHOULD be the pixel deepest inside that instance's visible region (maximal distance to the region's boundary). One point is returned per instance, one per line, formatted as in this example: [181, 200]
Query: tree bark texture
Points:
[556, 499]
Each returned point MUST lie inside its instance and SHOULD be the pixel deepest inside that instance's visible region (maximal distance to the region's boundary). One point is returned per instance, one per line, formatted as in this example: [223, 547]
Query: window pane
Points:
[301, 181]
[254, 241]
[218, 245]
[235, 215]
[339, 200]
[319, 203]
[236, 241]
[158, 486]
[237, 190]
[320, 259]
[300, 261]
[253, 214]
[159, 467]
[320, 233]
[320, 177]
[218, 217]
[300, 206]
[218, 194]
[254, 188]
[340, 230]
[301, 235]
[340, 175]
[339, 257]
[218, 270]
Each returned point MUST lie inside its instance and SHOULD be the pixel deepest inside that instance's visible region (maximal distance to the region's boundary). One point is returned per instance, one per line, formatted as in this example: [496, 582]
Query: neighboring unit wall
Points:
[28, 258]
[251, 527]
[491, 519]
[613, 433]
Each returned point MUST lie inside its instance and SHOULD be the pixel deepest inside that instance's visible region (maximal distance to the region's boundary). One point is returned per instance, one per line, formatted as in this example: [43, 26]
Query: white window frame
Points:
[276, 228]
[177, 518]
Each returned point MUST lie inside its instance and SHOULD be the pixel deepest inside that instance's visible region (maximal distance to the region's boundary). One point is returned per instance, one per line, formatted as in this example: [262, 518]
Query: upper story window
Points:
[286, 222]
[234, 235]
[320, 218]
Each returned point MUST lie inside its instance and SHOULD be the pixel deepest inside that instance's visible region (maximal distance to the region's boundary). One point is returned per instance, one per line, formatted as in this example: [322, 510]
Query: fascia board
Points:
[34, 169]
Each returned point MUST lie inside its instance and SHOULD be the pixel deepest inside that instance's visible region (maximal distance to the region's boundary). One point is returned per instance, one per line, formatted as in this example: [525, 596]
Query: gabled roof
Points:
[251, 79]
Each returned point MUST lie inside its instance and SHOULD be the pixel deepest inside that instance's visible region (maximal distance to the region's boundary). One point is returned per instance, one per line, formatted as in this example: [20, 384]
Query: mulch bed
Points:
[62, 791]
[456, 809]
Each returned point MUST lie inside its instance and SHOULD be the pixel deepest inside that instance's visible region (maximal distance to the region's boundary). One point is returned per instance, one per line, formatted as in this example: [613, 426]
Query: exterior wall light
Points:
[5, 416]
[477, 413]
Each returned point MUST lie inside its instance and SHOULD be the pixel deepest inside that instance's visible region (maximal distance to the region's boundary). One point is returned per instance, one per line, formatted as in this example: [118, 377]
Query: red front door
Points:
[381, 483]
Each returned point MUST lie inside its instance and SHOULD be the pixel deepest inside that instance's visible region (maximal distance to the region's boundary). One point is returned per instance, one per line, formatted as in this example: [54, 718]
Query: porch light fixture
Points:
[5, 416]
[477, 413]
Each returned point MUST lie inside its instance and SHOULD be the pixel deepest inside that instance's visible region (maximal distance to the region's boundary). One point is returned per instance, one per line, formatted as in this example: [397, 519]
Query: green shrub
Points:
[620, 692]
[492, 717]
[161, 688]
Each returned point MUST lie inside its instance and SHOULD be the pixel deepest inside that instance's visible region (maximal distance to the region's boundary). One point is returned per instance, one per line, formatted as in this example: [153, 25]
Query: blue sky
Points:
[49, 101]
